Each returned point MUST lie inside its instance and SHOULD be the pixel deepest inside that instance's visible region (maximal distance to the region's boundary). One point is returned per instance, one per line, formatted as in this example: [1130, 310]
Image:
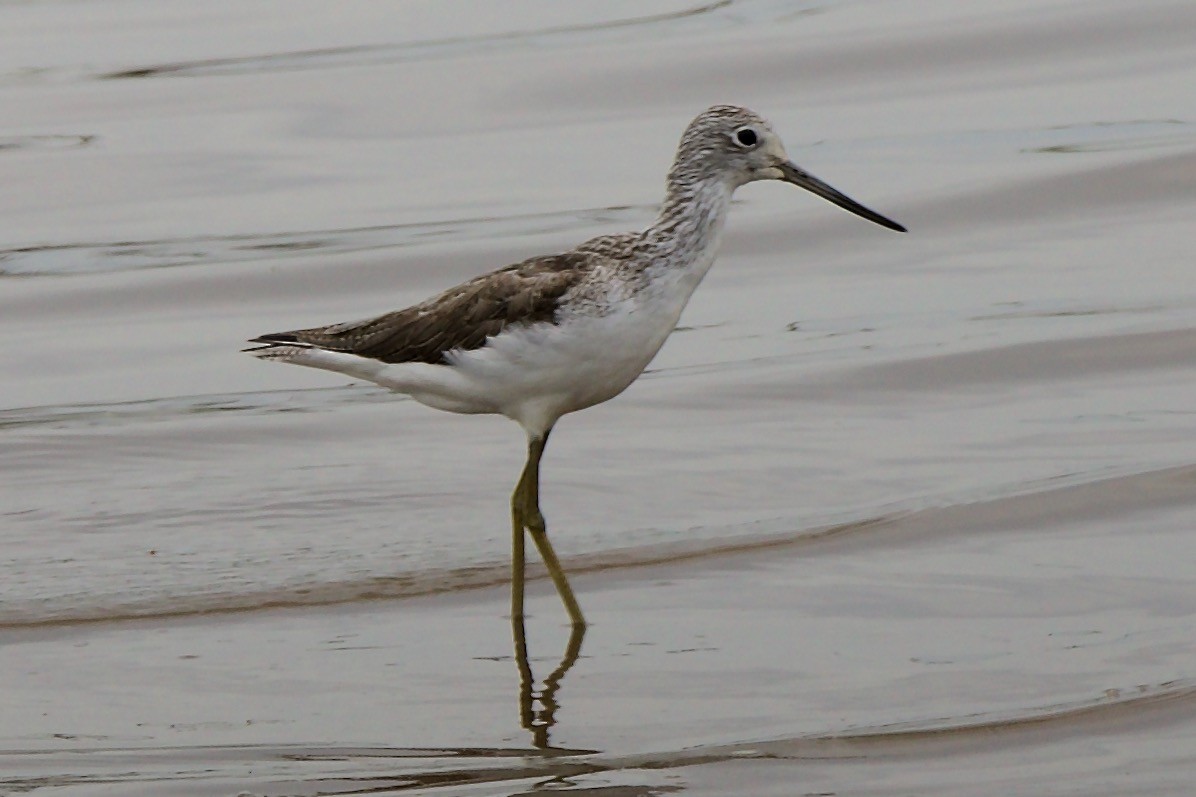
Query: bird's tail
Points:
[286, 349]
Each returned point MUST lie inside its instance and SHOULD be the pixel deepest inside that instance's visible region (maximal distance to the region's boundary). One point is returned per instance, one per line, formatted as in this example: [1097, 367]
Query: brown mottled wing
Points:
[460, 318]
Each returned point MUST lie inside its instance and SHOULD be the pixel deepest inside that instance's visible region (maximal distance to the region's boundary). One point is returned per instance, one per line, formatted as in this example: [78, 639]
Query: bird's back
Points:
[461, 318]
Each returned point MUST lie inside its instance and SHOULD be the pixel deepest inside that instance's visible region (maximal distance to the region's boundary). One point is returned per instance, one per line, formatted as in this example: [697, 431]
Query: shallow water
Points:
[1022, 363]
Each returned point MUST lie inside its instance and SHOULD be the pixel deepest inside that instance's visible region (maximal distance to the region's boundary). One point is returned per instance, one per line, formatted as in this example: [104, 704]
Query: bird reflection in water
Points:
[537, 708]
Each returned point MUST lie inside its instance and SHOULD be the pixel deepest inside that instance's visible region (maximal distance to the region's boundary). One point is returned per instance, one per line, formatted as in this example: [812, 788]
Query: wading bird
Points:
[559, 333]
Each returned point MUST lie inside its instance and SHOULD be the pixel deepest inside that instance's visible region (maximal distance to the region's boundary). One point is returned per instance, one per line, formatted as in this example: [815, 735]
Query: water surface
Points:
[955, 465]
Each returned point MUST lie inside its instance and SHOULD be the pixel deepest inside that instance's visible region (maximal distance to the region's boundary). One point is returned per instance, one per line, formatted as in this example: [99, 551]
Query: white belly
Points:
[536, 374]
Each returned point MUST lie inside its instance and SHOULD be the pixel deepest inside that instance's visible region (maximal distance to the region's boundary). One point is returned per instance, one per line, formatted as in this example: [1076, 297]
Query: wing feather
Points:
[461, 318]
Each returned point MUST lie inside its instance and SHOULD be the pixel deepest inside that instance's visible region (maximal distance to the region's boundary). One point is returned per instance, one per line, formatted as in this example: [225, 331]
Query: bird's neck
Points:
[686, 234]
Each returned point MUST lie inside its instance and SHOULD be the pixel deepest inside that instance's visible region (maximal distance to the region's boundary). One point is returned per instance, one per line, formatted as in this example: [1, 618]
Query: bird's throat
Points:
[687, 232]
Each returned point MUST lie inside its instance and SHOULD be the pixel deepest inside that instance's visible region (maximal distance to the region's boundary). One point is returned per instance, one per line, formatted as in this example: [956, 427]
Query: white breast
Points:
[535, 374]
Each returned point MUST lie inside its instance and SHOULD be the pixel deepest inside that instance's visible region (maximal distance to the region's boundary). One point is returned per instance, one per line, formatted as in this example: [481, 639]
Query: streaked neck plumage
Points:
[687, 232]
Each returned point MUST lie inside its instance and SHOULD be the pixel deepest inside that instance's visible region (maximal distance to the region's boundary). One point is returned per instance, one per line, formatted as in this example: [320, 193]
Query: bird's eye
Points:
[746, 137]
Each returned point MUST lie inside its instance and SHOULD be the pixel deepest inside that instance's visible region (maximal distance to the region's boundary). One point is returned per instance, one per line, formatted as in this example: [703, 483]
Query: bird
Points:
[558, 333]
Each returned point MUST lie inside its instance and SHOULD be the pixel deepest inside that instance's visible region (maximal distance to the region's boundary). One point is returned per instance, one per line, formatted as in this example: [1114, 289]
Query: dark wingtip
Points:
[272, 340]
[276, 338]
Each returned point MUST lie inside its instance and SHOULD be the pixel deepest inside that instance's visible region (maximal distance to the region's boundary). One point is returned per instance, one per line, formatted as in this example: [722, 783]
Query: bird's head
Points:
[738, 146]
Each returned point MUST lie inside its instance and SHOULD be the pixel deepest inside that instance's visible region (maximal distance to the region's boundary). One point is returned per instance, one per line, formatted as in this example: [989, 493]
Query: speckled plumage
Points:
[559, 333]
[460, 319]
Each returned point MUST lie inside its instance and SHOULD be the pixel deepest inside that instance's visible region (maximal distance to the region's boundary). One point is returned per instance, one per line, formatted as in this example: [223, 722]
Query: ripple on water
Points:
[46, 141]
[108, 415]
[692, 20]
[111, 256]
[1114, 136]
[340, 769]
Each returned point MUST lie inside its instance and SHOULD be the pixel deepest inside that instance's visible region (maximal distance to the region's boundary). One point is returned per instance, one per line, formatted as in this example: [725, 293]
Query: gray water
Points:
[180, 177]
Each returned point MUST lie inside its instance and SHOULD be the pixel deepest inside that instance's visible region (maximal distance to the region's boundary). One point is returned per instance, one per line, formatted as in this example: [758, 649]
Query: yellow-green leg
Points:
[516, 562]
[525, 514]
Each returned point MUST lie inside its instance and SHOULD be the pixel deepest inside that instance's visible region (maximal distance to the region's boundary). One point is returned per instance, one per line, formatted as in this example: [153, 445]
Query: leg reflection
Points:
[540, 720]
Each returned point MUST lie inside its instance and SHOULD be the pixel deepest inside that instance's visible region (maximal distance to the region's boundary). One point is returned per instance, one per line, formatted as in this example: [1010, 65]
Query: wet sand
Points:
[888, 515]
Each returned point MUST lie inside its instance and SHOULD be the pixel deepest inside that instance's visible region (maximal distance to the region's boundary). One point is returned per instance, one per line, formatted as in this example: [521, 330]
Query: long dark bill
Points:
[803, 179]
